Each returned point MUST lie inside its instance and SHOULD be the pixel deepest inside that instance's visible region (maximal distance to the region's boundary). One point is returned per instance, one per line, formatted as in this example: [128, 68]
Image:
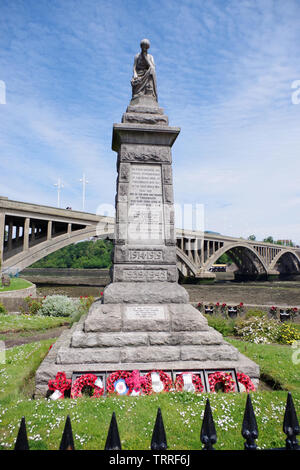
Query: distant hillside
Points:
[83, 255]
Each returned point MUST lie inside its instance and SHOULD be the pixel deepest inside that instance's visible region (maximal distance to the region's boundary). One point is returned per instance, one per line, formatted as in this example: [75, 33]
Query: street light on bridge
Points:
[59, 186]
[84, 181]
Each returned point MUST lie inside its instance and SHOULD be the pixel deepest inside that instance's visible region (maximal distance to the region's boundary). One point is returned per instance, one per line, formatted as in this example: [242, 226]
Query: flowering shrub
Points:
[223, 307]
[273, 311]
[257, 330]
[2, 308]
[59, 306]
[240, 308]
[255, 313]
[288, 334]
[33, 305]
[263, 330]
[85, 303]
[293, 312]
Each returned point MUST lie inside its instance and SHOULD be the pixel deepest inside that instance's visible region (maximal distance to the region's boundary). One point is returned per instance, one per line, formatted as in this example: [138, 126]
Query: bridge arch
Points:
[183, 259]
[26, 258]
[245, 256]
[286, 261]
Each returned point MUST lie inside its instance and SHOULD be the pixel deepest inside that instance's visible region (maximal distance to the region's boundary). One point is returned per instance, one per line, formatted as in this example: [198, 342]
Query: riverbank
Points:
[78, 282]
[230, 293]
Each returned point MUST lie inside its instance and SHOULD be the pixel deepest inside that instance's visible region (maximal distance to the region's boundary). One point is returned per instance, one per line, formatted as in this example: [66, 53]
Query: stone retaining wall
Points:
[13, 300]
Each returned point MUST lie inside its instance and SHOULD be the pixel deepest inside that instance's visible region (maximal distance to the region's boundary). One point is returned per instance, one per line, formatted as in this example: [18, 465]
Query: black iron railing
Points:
[208, 435]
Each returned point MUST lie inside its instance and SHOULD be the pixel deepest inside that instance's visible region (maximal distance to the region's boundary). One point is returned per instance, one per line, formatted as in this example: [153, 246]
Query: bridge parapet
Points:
[198, 251]
[28, 232]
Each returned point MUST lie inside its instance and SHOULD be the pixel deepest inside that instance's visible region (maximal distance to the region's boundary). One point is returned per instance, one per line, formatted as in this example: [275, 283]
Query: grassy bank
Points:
[16, 323]
[16, 284]
[276, 363]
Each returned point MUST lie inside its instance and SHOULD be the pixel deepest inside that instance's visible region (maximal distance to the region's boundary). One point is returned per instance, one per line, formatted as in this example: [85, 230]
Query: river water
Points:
[279, 293]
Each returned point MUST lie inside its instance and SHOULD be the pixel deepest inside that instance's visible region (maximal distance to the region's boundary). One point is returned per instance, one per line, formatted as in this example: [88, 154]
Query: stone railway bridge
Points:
[28, 232]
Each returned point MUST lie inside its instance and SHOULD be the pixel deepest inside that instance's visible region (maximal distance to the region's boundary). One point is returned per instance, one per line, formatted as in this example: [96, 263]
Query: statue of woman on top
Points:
[143, 81]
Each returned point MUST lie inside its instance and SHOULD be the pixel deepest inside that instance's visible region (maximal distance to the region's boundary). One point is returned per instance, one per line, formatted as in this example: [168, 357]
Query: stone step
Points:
[68, 355]
[81, 339]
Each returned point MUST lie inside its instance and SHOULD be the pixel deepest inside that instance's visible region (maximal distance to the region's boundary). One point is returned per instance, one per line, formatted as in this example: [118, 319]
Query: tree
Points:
[269, 240]
[83, 255]
[252, 237]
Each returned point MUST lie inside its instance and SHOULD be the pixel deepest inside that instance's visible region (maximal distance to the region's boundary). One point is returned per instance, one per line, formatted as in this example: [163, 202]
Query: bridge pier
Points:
[26, 234]
[205, 276]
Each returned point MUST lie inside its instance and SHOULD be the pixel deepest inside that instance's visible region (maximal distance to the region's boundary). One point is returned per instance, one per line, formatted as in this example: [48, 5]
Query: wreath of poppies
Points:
[139, 383]
[196, 381]
[246, 381]
[115, 376]
[60, 383]
[86, 380]
[164, 377]
[224, 378]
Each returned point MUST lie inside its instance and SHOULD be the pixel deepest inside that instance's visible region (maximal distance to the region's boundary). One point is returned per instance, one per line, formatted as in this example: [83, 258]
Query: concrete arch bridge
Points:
[28, 232]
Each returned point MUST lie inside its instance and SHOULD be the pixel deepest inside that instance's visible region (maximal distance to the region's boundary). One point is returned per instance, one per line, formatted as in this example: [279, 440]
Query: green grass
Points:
[16, 284]
[275, 361]
[20, 365]
[10, 323]
[182, 412]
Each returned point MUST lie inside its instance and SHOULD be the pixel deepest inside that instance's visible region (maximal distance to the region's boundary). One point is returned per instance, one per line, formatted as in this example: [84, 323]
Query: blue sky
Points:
[225, 70]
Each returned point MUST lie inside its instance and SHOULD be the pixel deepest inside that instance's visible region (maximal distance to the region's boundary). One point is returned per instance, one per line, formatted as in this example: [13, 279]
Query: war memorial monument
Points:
[144, 321]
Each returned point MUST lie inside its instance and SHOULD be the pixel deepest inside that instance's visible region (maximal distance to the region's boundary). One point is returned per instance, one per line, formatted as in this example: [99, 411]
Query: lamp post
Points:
[59, 186]
[84, 182]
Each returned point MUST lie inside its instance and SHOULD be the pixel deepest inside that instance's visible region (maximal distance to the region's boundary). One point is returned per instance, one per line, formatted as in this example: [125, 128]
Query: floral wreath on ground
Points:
[60, 383]
[164, 377]
[86, 380]
[115, 377]
[196, 381]
[139, 383]
[224, 378]
[246, 381]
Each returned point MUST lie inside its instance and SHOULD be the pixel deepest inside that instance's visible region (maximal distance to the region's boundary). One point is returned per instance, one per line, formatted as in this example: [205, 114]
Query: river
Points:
[76, 283]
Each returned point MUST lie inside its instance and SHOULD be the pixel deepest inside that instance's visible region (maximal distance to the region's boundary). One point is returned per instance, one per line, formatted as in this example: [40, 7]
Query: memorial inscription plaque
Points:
[140, 312]
[145, 207]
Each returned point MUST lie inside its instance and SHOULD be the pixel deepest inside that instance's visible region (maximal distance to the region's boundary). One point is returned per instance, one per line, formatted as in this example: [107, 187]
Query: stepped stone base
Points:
[145, 293]
[117, 336]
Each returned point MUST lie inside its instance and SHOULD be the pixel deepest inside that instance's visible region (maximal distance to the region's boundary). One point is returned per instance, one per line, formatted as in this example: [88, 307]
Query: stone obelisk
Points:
[144, 265]
[144, 320]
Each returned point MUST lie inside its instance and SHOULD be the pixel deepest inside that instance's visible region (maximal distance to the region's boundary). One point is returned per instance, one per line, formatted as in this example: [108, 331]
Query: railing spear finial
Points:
[113, 441]
[249, 427]
[291, 425]
[67, 441]
[159, 439]
[22, 441]
[208, 433]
